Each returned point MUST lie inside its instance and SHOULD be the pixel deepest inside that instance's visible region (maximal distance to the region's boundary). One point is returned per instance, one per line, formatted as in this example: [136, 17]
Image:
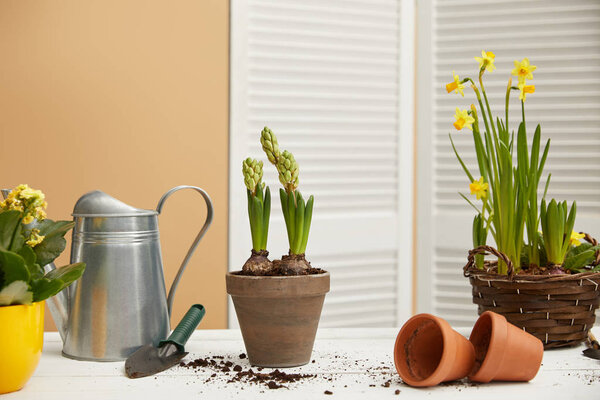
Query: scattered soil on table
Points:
[328, 392]
[273, 380]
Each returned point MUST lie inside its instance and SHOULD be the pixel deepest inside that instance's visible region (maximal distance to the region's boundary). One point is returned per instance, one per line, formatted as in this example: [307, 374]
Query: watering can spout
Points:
[59, 307]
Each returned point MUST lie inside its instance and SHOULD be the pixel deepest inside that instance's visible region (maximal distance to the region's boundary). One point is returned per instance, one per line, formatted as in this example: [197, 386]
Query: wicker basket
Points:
[557, 309]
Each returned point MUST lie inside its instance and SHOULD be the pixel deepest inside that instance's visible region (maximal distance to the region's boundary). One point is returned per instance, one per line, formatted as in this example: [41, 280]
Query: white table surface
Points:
[347, 361]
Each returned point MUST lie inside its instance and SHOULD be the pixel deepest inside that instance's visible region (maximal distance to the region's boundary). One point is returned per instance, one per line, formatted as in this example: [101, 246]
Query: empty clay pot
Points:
[503, 352]
[278, 316]
[428, 351]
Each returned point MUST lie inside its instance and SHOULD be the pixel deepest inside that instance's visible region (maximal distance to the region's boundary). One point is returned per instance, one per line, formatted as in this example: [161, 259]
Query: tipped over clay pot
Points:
[503, 352]
[428, 352]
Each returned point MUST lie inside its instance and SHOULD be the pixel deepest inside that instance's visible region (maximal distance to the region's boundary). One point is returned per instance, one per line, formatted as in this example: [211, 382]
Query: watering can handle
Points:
[209, 217]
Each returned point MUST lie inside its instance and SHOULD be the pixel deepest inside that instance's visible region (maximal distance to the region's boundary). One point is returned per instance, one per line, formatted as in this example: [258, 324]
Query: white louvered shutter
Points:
[323, 75]
[563, 40]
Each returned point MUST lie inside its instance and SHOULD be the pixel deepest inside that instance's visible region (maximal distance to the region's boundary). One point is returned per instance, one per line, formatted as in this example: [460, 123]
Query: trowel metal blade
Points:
[592, 353]
[149, 360]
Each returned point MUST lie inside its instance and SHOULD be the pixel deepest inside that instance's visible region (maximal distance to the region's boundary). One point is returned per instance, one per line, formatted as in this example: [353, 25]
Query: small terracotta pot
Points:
[503, 352]
[278, 316]
[428, 351]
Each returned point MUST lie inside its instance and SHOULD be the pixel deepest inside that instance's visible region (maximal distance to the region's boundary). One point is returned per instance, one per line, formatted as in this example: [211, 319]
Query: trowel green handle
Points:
[186, 327]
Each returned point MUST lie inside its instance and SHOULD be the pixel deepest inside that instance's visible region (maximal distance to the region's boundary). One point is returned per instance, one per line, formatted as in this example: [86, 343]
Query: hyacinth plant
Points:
[297, 212]
[28, 242]
[507, 189]
[259, 213]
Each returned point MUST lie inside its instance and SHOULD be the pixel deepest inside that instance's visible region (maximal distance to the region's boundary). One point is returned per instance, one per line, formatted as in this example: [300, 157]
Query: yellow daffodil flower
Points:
[523, 70]
[575, 238]
[479, 188]
[486, 61]
[463, 119]
[455, 86]
[524, 90]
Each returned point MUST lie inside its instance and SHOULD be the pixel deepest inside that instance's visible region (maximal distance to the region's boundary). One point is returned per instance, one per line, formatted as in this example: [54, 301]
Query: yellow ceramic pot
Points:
[21, 340]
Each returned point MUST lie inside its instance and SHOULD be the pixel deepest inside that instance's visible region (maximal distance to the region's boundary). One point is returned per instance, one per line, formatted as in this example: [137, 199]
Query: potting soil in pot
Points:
[423, 350]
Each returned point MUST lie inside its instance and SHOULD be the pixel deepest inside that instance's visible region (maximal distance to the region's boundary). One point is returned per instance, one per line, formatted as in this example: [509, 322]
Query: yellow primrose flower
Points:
[479, 188]
[575, 238]
[28, 201]
[486, 61]
[523, 70]
[463, 119]
[524, 90]
[35, 238]
[455, 86]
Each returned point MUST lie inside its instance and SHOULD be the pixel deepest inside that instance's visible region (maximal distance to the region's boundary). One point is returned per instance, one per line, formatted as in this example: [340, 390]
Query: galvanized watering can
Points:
[120, 302]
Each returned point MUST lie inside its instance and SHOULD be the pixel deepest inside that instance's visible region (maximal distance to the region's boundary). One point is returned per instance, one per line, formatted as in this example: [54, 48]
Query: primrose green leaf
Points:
[16, 293]
[13, 267]
[9, 221]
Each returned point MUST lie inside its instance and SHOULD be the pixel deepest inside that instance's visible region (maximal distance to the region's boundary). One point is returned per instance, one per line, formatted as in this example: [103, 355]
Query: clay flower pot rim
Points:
[235, 273]
[495, 350]
[448, 349]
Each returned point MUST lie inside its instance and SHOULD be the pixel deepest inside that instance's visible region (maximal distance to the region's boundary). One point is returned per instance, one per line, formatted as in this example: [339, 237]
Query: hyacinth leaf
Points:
[307, 222]
[283, 198]
[13, 267]
[266, 217]
[299, 233]
[291, 207]
[257, 220]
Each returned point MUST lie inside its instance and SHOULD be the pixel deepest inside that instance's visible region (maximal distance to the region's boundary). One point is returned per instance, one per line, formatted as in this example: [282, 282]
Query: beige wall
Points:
[127, 96]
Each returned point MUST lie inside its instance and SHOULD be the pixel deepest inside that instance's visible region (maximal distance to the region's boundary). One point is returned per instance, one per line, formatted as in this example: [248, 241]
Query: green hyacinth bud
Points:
[270, 145]
[253, 173]
[288, 171]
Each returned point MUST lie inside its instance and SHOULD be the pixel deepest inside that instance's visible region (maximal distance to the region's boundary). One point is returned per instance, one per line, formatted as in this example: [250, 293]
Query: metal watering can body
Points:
[120, 302]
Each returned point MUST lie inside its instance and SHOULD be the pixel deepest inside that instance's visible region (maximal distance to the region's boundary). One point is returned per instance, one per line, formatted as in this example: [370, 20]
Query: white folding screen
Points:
[563, 39]
[325, 76]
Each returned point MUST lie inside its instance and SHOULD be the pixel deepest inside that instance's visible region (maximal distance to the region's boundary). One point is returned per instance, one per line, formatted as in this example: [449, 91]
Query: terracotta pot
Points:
[503, 352]
[278, 316]
[21, 340]
[428, 351]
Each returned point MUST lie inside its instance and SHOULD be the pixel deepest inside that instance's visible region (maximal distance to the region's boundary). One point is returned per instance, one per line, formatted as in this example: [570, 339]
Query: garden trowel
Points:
[150, 360]
[594, 350]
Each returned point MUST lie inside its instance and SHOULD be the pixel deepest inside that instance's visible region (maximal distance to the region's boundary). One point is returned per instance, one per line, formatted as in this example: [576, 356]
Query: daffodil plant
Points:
[297, 212]
[507, 189]
[28, 242]
[259, 213]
